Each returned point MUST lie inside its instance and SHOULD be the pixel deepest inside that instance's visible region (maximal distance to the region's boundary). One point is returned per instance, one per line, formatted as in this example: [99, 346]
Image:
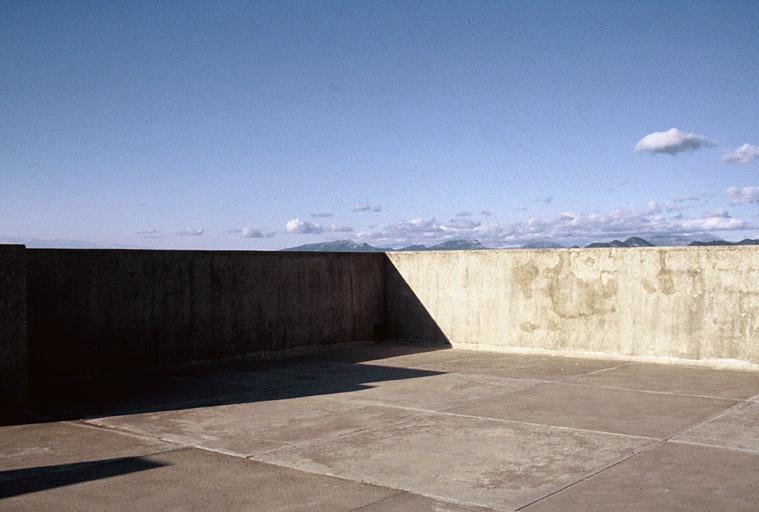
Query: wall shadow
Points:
[135, 393]
[406, 317]
[17, 482]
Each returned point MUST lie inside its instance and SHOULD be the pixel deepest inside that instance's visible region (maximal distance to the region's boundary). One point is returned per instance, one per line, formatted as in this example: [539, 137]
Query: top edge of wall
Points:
[581, 249]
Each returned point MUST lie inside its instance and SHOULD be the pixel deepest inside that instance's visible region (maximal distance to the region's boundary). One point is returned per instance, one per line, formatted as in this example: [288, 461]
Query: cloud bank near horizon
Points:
[657, 220]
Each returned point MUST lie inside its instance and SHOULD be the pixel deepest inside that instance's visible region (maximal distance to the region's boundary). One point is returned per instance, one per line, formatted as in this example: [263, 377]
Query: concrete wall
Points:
[688, 303]
[96, 311]
[13, 348]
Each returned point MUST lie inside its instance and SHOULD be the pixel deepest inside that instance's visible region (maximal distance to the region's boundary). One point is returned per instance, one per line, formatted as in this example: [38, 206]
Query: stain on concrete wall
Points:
[685, 302]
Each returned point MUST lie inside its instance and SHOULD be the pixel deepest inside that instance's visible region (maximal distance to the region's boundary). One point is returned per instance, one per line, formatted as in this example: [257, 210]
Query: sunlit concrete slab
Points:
[520, 366]
[476, 461]
[679, 380]
[603, 409]
[187, 479]
[672, 477]
[255, 427]
[405, 502]
[738, 428]
[47, 445]
[436, 392]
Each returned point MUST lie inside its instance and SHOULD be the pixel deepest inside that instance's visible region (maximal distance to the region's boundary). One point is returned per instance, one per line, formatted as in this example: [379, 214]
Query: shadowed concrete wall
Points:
[96, 311]
[13, 348]
[689, 303]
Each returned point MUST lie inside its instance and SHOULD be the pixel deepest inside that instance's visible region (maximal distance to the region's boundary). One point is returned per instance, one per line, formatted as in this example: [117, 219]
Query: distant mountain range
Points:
[459, 245]
[336, 246]
[745, 241]
[450, 245]
[351, 246]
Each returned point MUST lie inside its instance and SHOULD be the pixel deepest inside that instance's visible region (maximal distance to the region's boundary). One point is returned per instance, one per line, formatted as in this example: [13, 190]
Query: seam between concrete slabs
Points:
[707, 445]
[594, 372]
[446, 499]
[634, 454]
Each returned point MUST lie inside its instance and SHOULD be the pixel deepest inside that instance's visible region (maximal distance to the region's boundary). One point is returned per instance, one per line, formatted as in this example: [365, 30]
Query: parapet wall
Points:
[99, 311]
[79, 312]
[686, 303]
[13, 339]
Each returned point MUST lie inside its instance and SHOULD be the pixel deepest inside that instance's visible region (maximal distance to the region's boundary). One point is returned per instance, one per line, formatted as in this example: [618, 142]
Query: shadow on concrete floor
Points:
[221, 384]
[28, 480]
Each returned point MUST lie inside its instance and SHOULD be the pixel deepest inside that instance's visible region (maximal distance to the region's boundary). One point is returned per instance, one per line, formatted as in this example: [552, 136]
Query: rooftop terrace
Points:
[393, 427]
[589, 379]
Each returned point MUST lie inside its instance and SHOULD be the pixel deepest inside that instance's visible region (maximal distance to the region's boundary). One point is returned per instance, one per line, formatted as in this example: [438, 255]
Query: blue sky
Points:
[224, 125]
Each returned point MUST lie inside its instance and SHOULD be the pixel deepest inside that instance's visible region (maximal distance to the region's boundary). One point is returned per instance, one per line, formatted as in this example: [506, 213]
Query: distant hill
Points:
[336, 246]
[542, 244]
[633, 241]
[745, 241]
[456, 245]
[450, 245]
[678, 240]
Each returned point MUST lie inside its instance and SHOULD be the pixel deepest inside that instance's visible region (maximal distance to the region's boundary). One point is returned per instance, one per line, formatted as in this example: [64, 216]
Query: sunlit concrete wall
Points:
[690, 303]
[99, 311]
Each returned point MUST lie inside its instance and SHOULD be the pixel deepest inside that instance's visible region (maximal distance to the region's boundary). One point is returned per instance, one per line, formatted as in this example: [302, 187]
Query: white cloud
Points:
[743, 155]
[248, 232]
[150, 233]
[297, 225]
[743, 195]
[365, 207]
[339, 229]
[192, 232]
[672, 141]
[300, 226]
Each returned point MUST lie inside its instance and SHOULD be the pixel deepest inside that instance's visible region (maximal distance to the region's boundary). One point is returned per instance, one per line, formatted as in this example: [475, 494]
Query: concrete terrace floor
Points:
[394, 427]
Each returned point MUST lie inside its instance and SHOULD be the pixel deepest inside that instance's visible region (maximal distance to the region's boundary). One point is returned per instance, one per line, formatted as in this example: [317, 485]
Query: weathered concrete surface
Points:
[737, 429]
[252, 428]
[677, 380]
[187, 479]
[386, 419]
[670, 477]
[96, 311]
[497, 464]
[47, 446]
[13, 340]
[593, 408]
[687, 303]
